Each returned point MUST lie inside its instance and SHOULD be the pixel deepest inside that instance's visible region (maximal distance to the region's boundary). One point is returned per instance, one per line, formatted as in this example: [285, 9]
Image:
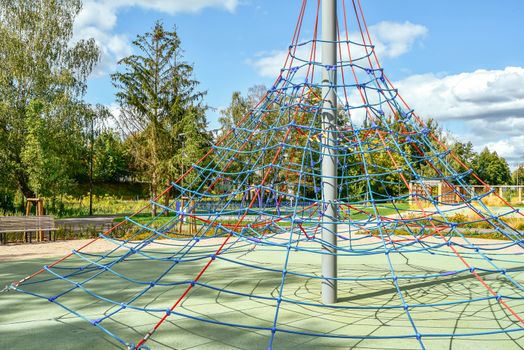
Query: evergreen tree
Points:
[162, 112]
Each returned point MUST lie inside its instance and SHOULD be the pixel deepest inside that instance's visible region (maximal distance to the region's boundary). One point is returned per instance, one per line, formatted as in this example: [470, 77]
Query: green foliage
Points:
[239, 107]
[465, 153]
[32, 151]
[492, 168]
[69, 206]
[518, 175]
[420, 152]
[50, 139]
[232, 115]
[162, 114]
[488, 166]
[110, 157]
[7, 201]
[50, 170]
[195, 142]
[123, 190]
[42, 81]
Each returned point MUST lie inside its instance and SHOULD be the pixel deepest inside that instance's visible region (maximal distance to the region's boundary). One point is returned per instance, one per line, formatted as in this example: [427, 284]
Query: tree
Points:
[465, 153]
[419, 152]
[110, 157]
[491, 168]
[240, 106]
[518, 175]
[54, 157]
[233, 114]
[42, 82]
[162, 112]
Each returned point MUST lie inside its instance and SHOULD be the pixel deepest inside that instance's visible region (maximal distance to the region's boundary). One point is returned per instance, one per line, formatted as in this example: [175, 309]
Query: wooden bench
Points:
[26, 225]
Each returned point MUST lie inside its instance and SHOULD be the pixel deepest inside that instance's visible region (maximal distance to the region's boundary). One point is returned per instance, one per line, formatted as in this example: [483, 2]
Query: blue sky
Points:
[459, 62]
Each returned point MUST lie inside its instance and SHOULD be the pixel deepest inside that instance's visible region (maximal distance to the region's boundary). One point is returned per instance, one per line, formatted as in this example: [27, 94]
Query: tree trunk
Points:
[167, 197]
[154, 187]
[23, 184]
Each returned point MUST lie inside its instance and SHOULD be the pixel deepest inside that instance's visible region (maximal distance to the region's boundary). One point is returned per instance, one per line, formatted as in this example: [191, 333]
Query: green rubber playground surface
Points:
[28, 322]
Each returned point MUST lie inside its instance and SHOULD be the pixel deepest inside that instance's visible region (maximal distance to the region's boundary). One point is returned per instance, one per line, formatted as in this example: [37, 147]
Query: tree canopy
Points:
[50, 138]
[162, 112]
[42, 82]
[492, 168]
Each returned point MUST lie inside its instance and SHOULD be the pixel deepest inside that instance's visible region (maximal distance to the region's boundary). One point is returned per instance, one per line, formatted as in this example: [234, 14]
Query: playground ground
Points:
[32, 323]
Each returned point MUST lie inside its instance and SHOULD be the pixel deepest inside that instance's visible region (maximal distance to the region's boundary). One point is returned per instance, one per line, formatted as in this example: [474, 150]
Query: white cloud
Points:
[98, 18]
[113, 122]
[490, 103]
[482, 93]
[511, 126]
[268, 64]
[504, 135]
[391, 39]
[113, 47]
[99, 15]
[176, 6]
[507, 148]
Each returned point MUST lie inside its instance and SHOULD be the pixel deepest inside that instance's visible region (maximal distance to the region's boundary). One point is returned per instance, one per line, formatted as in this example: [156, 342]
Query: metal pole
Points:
[91, 151]
[329, 160]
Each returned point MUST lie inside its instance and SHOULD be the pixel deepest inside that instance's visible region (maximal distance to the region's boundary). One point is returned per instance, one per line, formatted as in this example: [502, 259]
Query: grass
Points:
[70, 207]
[146, 218]
[77, 207]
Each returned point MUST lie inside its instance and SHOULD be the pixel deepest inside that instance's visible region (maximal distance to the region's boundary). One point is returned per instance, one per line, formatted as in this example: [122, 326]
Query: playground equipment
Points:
[187, 216]
[322, 167]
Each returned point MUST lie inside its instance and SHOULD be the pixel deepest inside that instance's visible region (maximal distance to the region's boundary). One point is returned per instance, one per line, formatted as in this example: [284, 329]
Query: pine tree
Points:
[162, 112]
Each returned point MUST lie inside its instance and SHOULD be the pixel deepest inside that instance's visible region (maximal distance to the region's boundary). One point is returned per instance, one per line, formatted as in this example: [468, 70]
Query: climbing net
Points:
[250, 229]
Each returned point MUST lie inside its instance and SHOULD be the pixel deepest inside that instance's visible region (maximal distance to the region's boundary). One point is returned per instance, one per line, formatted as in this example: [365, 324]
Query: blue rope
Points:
[270, 205]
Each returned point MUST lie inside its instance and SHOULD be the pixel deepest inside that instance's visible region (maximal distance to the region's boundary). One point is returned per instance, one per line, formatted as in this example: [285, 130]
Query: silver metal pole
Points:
[329, 160]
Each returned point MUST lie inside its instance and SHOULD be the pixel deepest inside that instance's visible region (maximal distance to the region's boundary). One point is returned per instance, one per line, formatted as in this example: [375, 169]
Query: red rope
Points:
[449, 243]
[264, 179]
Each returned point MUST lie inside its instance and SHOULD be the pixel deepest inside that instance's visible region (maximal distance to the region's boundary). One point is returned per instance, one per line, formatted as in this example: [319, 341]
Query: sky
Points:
[459, 62]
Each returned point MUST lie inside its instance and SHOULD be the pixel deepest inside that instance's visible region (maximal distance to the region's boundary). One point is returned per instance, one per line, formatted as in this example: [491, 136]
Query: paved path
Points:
[76, 224]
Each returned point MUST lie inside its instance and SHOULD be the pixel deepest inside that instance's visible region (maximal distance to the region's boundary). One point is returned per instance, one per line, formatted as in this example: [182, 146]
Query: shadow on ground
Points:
[27, 322]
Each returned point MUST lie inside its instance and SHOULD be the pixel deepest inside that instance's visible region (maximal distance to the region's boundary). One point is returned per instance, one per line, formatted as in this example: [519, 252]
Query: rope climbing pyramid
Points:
[315, 220]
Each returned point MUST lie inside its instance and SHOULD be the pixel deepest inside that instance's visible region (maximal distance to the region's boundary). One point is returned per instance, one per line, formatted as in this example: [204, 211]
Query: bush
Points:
[69, 206]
